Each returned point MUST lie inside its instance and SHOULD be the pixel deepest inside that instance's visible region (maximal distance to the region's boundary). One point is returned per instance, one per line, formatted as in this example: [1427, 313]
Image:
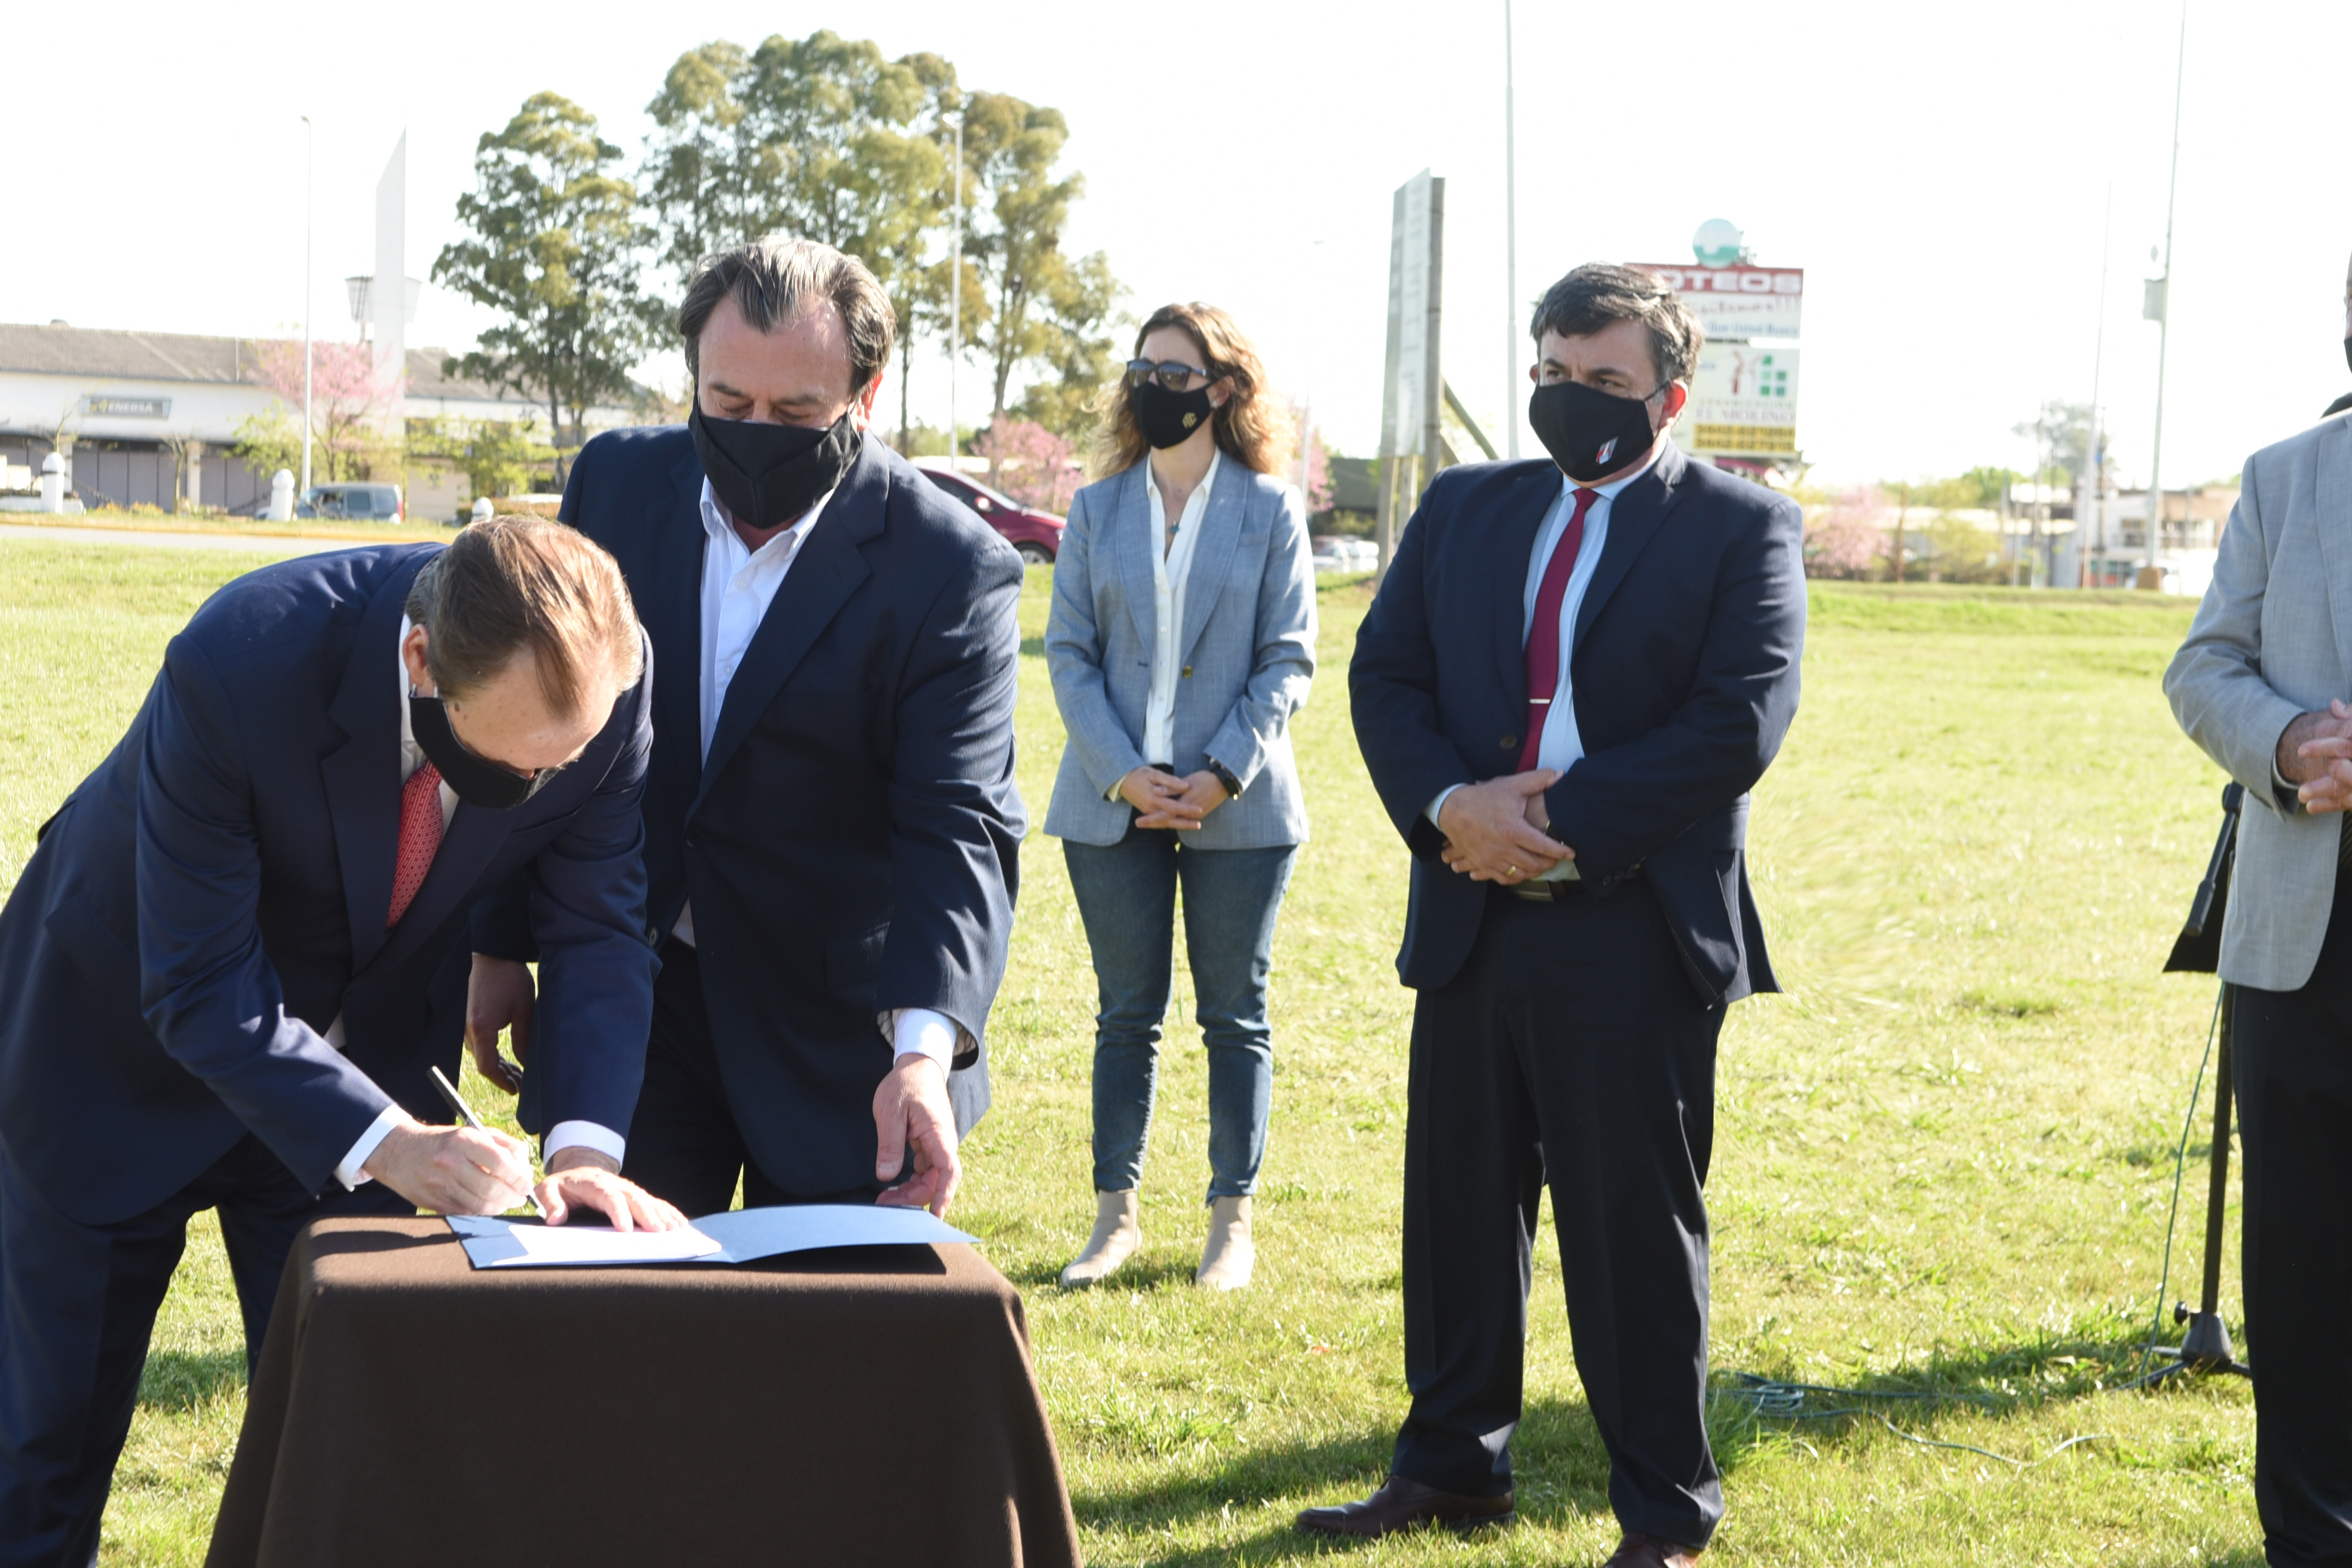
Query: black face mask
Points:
[1589, 433]
[1169, 418]
[476, 781]
[767, 475]
[2347, 351]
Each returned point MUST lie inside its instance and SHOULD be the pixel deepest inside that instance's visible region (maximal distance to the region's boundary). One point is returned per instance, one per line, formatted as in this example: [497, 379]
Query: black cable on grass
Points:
[2180, 1163]
[1773, 1400]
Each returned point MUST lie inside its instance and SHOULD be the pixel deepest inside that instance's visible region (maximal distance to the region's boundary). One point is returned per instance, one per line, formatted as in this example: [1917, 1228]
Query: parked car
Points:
[1333, 553]
[351, 503]
[1037, 535]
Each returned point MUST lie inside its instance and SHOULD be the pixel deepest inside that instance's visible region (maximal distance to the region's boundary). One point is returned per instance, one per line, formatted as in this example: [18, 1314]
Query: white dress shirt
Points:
[1560, 745]
[1171, 564]
[739, 583]
[563, 1135]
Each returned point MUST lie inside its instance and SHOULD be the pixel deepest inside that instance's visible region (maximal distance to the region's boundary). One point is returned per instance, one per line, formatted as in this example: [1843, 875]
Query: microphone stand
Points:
[2206, 1348]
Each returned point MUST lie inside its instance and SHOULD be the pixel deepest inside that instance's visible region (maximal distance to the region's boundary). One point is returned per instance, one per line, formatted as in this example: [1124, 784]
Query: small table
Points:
[868, 1404]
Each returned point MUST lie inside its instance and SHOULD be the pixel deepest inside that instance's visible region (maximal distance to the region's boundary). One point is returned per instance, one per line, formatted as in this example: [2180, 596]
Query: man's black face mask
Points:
[476, 781]
[1589, 433]
[767, 475]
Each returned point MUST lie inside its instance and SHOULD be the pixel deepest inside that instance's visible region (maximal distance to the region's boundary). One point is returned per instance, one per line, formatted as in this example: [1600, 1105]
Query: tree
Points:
[350, 398]
[1039, 468]
[1083, 321]
[1014, 146]
[497, 456]
[554, 250]
[1317, 489]
[1847, 538]
[1960, 550]
[703, 171]
[1986, 489]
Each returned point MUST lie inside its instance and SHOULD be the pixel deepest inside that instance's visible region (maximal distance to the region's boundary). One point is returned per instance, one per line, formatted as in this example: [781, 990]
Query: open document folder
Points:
[737, 1237]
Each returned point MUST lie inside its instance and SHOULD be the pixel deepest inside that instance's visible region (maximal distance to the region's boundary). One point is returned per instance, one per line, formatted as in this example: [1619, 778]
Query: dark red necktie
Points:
[420, 837]
[1543, 637]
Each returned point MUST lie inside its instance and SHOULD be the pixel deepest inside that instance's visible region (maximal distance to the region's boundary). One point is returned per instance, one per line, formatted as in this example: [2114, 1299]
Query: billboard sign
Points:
[1743, 401]
[1740, 302]
[1416, 252]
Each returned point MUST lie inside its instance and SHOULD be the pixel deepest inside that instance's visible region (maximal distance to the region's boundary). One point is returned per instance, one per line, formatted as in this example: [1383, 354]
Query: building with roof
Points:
[149, 418]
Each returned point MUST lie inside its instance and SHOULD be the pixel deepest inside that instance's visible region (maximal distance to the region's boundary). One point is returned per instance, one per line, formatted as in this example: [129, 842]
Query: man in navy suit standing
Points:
[237, 953]
[831, 821]
[1574, 673]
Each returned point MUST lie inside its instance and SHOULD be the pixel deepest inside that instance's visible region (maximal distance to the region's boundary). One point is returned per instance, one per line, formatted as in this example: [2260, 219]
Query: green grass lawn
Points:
[1943, 1158]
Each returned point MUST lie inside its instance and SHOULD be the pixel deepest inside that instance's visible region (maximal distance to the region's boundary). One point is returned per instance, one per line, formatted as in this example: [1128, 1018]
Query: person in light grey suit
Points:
[1181, 640]
[2261, 685]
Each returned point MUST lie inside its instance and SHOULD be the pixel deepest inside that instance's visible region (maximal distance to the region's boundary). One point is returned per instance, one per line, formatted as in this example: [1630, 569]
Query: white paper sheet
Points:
[737, 1236]
[493, 1243]
[746, 1234]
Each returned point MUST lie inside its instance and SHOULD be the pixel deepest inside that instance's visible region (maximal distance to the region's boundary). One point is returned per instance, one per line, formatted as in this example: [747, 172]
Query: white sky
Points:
[1939, 172]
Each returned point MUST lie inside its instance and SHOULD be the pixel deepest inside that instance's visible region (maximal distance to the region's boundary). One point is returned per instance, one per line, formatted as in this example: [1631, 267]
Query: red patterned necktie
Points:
[1543, 637]
[420, 837]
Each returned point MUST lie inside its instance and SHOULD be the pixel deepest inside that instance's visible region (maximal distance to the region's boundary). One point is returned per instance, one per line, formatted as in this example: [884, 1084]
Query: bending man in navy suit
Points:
[1574, 673]
[238, 951]
[830, 822]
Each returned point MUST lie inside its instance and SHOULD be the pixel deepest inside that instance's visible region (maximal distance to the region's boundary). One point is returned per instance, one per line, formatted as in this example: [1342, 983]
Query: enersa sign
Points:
[1737, 302]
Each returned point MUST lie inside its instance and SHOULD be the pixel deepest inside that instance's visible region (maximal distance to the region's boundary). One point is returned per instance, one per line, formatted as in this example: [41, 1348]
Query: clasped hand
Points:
[1494, 831]
[2315, 755]
[1163, 800]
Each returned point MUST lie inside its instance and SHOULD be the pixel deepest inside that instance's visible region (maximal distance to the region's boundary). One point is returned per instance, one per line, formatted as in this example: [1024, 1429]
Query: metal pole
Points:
[955, 296]
[1510, 249]
[2096, 459]
[2164, 324]
[310, 208]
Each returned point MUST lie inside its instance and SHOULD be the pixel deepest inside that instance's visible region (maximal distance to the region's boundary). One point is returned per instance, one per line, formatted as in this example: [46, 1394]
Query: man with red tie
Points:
[238, 950]
[1574, 673]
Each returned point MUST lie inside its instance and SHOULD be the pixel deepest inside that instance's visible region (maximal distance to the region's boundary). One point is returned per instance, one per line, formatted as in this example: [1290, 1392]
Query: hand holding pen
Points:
[465, 1114]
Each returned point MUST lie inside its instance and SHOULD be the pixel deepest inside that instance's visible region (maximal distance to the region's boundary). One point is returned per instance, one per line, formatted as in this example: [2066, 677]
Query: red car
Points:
[1037, 535]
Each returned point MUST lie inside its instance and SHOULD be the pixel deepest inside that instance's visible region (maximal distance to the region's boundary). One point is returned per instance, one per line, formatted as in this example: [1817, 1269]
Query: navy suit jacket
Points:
[1684, 661]
[213, 897]
[851, 845]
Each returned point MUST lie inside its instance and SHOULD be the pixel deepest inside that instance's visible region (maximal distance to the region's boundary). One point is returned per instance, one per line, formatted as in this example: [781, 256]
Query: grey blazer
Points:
[2274, 640]
[1247, 651]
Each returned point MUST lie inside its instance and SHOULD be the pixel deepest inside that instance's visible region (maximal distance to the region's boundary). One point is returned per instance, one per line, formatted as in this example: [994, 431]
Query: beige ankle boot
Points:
[1226, 1261]
[1116, 1237]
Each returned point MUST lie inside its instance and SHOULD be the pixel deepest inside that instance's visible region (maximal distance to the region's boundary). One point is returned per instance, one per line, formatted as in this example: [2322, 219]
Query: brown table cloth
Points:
[862, 1404]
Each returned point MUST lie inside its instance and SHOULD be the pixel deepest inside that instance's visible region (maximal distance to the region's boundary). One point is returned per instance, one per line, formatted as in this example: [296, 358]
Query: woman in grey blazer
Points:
[1181, 641]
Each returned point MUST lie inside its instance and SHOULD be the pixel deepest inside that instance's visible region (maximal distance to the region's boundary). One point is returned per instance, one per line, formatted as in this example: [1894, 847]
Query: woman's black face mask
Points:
[767, 475]
[476, 781]
[1169, 418]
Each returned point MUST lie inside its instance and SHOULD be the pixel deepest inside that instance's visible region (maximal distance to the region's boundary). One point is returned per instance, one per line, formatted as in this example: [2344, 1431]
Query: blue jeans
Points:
[1127, 896]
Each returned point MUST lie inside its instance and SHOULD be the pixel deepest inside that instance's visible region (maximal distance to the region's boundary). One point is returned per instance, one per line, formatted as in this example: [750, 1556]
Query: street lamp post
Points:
[2164, 312]
[309, 210]
[1510, 249]
[955, 296]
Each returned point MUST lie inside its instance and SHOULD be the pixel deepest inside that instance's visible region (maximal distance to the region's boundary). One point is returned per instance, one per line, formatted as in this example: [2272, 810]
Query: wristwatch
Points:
[1225, 777]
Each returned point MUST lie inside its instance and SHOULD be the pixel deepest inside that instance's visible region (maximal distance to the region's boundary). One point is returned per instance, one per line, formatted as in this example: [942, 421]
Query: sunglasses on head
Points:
[1169, 374]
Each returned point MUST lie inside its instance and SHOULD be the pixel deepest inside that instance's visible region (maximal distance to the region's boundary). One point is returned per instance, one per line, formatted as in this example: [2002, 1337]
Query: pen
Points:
[465, 1113]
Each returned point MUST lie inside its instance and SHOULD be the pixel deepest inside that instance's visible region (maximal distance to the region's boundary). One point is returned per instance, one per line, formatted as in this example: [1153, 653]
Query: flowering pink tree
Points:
[1319, 463]
[349, 400]
[1848, 537]
[1030, 463]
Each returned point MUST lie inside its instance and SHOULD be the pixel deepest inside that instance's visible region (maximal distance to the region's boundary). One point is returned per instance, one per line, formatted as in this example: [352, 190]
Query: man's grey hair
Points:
[1599, 292]
[773, 281]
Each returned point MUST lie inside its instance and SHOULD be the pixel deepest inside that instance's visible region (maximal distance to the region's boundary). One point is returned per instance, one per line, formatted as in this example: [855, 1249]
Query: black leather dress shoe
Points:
[1637, 1550]
[1402, 1504]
